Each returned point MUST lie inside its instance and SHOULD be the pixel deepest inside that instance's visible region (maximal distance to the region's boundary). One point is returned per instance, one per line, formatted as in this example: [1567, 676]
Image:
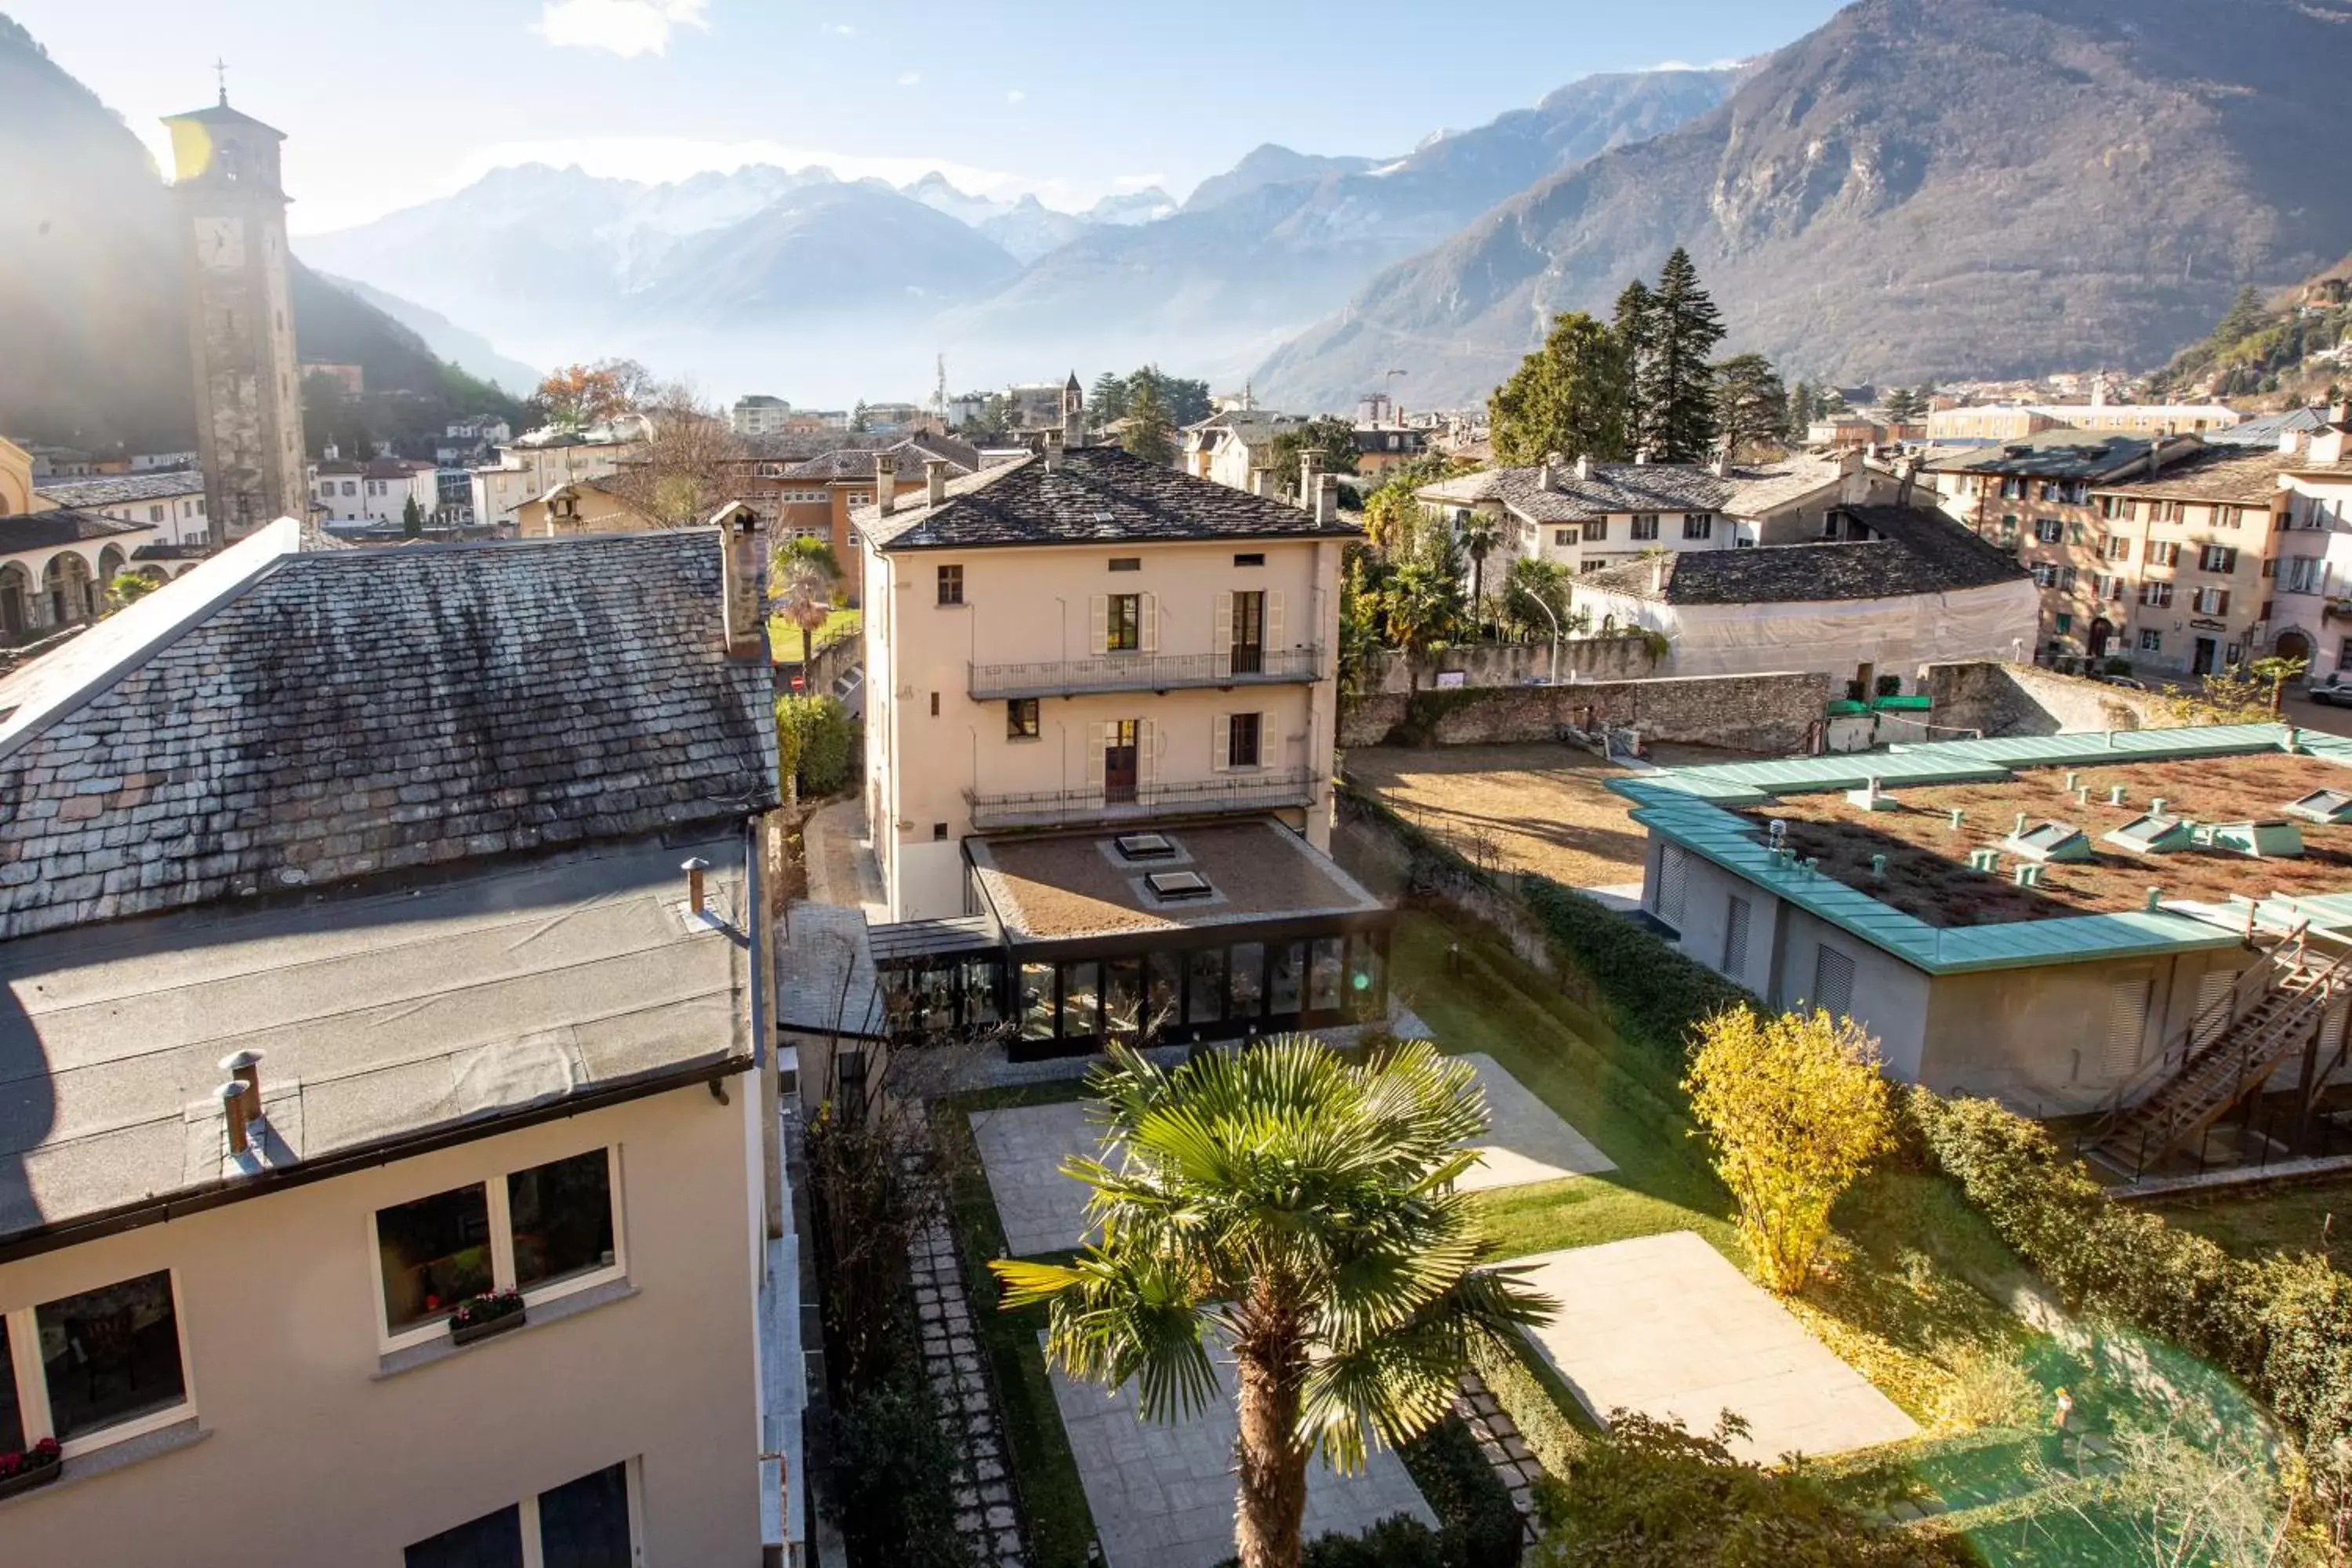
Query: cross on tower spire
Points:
[220, 69]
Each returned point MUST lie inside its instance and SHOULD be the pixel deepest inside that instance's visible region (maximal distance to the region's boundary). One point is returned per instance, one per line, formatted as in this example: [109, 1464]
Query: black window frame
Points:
[1024, 719]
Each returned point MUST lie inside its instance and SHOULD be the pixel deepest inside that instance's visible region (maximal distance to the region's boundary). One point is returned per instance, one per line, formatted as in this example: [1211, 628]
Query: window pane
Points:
[1249, 978]
[1123, 995]
[979, 992]
[563, 1218]
[1323, 978]
[1081, 1000]
[12, 1419]
[1289, 966]
[1163, 1002]
[1208, 971]
[493, 1541]
[437, 1252]
[1365, 998]
[110, 1354]
[586, 1523]
[1036, 1001]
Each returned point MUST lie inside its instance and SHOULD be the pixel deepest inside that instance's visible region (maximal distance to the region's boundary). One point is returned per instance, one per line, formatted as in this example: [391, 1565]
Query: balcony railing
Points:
[1057, 808]
[1146, 672]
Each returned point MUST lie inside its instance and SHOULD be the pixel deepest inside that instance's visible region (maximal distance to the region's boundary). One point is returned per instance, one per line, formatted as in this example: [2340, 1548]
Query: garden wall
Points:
[1391, 672]
[2004, 699]
[1773, 714]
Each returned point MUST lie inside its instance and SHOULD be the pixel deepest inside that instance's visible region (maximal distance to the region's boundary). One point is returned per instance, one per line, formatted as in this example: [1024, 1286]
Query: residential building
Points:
[1383, 447]
[248, 401]
[171, 501]
[539, 460]
[1845, 432]
[1892, 589]
[436, 1011]
[15, 478]
[149, 462]
[55, 565]
[809, 486]
[2311, 616]
[1101, 709]
[2144, 419]
[2033, 494]
[2069, 923]
[485, 428]
[357, 496]
[2186, 566]
[1229, 446]
[578, 506]
[1039, 405]
[896, 418]
[1993, 422]
[1586, 515]
[757, 414]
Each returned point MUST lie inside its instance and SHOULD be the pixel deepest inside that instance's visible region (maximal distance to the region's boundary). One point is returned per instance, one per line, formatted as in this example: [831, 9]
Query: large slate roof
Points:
[122, 489]
[1614, 488]
[356, 711]
[856, 461]
[1909, 551]
[2232, 476]
[2046, 454]
[63, 525]
[1093, 495]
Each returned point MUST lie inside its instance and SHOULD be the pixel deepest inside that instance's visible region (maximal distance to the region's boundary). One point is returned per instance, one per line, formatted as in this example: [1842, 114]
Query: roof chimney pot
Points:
[1327, 500]
[1053, 449]
[1584, 465]
[934, 480]
[694, 869]
[1310, 464]
[739, 575]
[234, 1111]
[245, 1066]
[886, 481]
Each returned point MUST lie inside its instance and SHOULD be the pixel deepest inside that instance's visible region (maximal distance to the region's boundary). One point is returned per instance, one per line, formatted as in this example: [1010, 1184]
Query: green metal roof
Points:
[1686, 806]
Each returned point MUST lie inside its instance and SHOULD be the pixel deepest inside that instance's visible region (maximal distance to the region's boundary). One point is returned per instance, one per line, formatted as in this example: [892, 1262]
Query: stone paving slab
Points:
[1666, 1325]
[1022, 1148]
[1162, 1495]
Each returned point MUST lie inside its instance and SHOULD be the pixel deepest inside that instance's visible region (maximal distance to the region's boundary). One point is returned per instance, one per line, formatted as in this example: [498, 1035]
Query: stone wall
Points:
[1773, 714]
[1624, 657]
[2003, 699]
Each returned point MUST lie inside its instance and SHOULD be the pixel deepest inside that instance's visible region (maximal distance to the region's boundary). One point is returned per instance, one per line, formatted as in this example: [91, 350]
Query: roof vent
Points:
[2150, 834]
[1178, 887]
[2048, 841]
[2276, 839]
[2331, 806]
[1145, 847]
[1871, 798]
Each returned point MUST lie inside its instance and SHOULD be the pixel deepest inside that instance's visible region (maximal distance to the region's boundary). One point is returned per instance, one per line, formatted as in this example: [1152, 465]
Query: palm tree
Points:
[1423, 601]
[1480, 534]
[806, 575]
[1301, 1209]
[2278, 671]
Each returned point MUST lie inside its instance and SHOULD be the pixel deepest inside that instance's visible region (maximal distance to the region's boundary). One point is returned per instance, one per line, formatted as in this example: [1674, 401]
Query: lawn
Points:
[784, 638]
[2314, 1218]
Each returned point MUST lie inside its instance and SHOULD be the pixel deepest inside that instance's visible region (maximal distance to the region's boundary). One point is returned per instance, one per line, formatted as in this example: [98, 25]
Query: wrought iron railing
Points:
[1146, 672]
[1054, 808]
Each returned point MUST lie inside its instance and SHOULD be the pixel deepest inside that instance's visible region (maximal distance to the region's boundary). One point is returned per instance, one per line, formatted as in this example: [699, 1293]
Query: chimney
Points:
[2291, 443]
[1310, 464]
[886, 481]
[1327, 500]
[694, 869]
[1642, 458]
[234, 1111]
[739, 578]
[1053, 450]
[1261, 480]
[934, 480]
[1074, 427]
[1722, 464]
[245, 1066]
[2327, 445]
[1658, 565]
[1584, 465]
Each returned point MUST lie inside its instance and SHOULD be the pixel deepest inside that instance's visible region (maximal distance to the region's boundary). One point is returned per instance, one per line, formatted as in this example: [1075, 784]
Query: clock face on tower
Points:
[220, 243]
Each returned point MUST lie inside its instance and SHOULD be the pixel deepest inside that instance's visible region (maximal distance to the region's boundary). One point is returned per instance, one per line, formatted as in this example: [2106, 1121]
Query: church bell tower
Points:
[240, 318]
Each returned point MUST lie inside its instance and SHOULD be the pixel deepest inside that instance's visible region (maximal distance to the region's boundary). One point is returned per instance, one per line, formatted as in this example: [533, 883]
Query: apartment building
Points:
[171, 501]
[2312, 586]
[812, 494]
[537, 461]
[392, 1174]
[758, 413]
[2034, 495]
[375, 494]
[1102, 703]
[2189, 562]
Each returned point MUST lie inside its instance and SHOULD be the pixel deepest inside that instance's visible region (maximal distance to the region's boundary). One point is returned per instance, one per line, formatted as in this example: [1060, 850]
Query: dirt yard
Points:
[1538, 808]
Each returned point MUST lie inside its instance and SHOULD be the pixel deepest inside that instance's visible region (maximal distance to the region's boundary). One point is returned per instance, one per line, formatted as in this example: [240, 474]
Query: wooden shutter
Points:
[1832, 982]
[1221, 743]
[1735, 938]
[1097, 740]
[2126, 1021]
[1098, 633]
[1221, 650]
[1147, 757]
[1148, 637]
[1272, 619]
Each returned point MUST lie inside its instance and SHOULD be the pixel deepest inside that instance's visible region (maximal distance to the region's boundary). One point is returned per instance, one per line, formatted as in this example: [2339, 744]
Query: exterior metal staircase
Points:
[2226, 1053]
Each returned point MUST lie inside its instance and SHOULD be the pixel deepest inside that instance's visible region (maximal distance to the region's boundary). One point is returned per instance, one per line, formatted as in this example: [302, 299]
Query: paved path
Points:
[1666, 1325]
[1162, 1495]
[1528, 1142]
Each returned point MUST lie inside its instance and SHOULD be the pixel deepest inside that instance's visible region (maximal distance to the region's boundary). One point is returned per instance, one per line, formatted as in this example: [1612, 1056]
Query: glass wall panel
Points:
[586, 1523]
[1289, 973]
[1207, 968]
[1163, 995]
[897, 987]
[1366, 999]
[113, 1354]
[1036, 1001]
[980, 992]
[936, 991]
[1249, 981]
[1323, 974]
[1081, 1000]
[1123, 997]
[493, 1541]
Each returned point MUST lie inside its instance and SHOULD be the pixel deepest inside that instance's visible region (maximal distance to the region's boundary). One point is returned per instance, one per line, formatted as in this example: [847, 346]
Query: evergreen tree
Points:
[1675, 387]
[1802, 408]
[1751, 408]
[2243, 319]
[1568, 397]
[1634, 327]
[412, 518]
[1148, 435]
[1107, 400]
[1904, 406]
[860, 420]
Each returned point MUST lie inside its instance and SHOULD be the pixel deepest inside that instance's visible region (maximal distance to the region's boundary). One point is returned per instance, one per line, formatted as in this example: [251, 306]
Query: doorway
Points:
[1249, 633]
[2292, 645]
[1119, 764]
[2101, 631]
[2207, 660]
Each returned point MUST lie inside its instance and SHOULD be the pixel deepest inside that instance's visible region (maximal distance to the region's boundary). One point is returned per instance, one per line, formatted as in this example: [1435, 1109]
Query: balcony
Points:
[1146, 672]
[1200, 797]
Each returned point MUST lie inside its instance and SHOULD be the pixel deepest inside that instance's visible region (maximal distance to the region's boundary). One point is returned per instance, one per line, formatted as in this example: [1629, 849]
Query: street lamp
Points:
[1536, 599]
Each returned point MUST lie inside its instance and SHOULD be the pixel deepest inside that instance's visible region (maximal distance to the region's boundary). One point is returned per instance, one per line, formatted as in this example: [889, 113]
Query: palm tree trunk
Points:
[1478, 589]
[1273, 1503]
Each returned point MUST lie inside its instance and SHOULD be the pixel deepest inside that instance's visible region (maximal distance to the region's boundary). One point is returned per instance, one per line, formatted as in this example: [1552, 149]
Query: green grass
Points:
[2259, 1225]
[784, 638]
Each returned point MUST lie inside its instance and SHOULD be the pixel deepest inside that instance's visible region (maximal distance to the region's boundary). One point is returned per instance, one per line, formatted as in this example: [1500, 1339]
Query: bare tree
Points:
[691, 464]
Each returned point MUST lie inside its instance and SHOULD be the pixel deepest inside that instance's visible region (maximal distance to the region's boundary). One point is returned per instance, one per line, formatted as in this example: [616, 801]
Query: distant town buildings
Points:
[373, 494]
[757, 414]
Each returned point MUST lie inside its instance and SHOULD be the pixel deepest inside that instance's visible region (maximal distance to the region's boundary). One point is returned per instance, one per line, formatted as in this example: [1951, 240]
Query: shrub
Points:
[1651, 994]
[821, 756]
[1888, 686]
[1550, 1432]
[891, 1461]
[1399, 1541]
[1477, 1526]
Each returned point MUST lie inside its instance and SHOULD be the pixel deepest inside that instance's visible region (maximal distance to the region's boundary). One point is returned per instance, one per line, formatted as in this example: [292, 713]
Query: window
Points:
[2303, 574]
[2159, 594]
[93, 1367]
[1134, 562]
[1673, 877]
[2152, 640]
[1124, 631]
[2012, 487]
[2217, 558]
[2167, 511]
[2114, 507]
[2062, 623]
[2066, 578]
[1596, 530]
[1698, 525]
[2227, 516]
[2212, 601]
[2114, 547]
[1242, 737]
[938, 833]
[1020, 719]
[2044, 574]
[543, 1231]
[1563, 537]
[951, 584]
[2047, 530]
[2047, 490]
[1250, 558]
[1832, 982]
[935, 704]
[350, 489]
[1645, 525]
[1735, 938]
[2163, 552]
[586, 1523]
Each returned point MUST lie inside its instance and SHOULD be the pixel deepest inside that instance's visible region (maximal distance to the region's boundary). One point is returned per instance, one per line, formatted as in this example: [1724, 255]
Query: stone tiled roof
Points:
[357, 711]
[1910, 551]
[856, 461]
[46, 530]
[1746, 490]
[122, 489]
[1094, 495]
[2233, 476]
[2048, 454]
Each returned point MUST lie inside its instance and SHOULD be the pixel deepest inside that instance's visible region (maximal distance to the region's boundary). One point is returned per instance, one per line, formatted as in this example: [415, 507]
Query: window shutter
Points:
[2126, 1021]
[1099, 634]
[1735, 940]
[1095, 743]
[1832, 982]
[1149, 636]
[1670, 873]
[1221, 742]
[1220, 651]
[1272, 619]
[2209, 1021]
[1147, 757]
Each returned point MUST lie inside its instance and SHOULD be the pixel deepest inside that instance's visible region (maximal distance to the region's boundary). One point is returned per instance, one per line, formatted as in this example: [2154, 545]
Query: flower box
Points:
[36, 1468]
[482, 1316]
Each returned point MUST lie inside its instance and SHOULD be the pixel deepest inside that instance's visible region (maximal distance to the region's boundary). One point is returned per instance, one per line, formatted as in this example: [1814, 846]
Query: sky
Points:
[387, 105]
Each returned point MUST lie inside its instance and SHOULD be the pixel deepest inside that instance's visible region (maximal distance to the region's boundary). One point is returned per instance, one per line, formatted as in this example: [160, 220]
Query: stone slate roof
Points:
[1615, 489]
[1909, 551]
[357, 711]
[122, 489]
[1096, 494]
[855, 461]
[2233, 476]
[2049, 454]
[2265, 430]
[63, 525]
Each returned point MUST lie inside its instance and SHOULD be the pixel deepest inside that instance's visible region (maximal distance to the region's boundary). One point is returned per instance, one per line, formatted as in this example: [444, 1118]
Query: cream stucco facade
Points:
[1035, 625]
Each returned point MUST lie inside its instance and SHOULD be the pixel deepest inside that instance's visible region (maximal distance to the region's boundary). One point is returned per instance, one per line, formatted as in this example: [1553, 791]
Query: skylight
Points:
[1173, 887]
[1145, 847]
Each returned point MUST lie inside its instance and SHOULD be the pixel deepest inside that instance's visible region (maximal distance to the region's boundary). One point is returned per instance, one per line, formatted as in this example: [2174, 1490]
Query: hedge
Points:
[2282, 1325]
[1546, 1428]
[1651, 994]
[1477, 1526]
